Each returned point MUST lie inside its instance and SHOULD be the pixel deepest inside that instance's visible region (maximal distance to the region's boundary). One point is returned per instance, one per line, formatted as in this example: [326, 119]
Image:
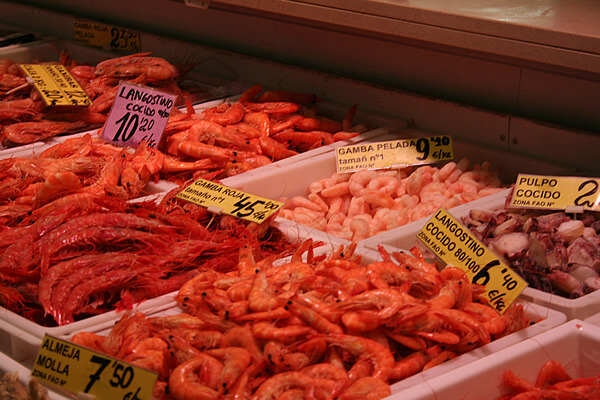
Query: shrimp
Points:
[414, 362]
[196, 378]
[313, 318]
[236, 361]
[380, 357]
[418, 180]
[241, 336]
[136, 65]
[275, 149]
[267, 330]
[358, 182]
[201, 150]
[60, 182]
[29, 132]
[377, 199]
[366, 388]
[149, 353]
[277, 384]
[385, 184]
[262, 296]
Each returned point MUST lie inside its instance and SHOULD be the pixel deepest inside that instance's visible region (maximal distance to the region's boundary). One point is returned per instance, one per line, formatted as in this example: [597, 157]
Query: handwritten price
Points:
[592, 189]
[121, 377]
[246, 208]
[129, 124]
[424, 145]
[124, 39]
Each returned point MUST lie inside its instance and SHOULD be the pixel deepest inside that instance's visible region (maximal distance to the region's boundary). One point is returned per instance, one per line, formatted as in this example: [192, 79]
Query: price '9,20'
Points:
[129, 124]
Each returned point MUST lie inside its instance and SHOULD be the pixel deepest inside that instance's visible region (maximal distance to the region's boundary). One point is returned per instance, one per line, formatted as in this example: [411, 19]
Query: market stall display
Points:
[312, 325]
[94, 253]
[230, 308]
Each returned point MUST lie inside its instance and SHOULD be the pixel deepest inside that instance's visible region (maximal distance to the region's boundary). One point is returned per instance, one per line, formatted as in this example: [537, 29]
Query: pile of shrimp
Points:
[324, 326]
[94, 254]
[259, 128]
[355, 206]
[24, 118]
[82, 165]
[552, 382]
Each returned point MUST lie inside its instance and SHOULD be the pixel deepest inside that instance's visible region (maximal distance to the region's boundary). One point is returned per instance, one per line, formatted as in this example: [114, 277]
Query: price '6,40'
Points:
[129, 124]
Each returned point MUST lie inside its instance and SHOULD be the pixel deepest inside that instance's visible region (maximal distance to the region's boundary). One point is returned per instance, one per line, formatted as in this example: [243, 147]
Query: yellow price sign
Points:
[106, 36]
[56, 85]
[556, 192]
[77, 369]
[394, 153]
[219, 198]
[454, 244]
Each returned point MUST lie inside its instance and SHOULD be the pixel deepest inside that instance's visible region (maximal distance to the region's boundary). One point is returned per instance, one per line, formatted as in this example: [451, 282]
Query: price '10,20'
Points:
[129, 124]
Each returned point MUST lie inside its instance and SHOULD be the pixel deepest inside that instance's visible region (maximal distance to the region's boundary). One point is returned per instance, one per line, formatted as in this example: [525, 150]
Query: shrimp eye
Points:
[204, 294]
[186, 299]
[235, 153]
[289, 302]
[233, 161]
[29, 212]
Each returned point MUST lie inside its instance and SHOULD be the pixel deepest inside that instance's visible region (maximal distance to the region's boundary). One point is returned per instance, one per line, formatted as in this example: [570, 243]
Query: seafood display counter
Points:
[428, 333]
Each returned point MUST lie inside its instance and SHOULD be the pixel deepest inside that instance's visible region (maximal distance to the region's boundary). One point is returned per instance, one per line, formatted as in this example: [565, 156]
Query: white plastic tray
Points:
[21, 338]
[546, 320]
[593, 319]
[575, 344]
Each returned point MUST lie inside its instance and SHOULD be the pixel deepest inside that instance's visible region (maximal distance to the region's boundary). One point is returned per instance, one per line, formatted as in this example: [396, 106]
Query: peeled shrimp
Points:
[358, 205]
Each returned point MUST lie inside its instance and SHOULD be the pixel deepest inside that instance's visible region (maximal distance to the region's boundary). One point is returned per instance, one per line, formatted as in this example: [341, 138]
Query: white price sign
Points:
[138, 114]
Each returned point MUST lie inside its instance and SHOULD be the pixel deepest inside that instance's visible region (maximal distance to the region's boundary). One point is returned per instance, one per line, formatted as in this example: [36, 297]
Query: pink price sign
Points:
[138, 114]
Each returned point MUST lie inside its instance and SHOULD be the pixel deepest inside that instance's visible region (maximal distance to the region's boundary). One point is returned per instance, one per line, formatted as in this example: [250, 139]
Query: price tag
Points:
[454, 244]
[106, 36]
[56, 85]
[556, 192]
[138, 114]
[229, 201]
[77, 369]
[395, 153]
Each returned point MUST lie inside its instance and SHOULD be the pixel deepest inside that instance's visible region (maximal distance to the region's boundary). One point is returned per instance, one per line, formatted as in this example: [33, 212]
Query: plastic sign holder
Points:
[221, 199]
[79, 370]
[108, 37]
[138, 114]
[56, 85]
[455, 245]
[569, 193]
[394, 153]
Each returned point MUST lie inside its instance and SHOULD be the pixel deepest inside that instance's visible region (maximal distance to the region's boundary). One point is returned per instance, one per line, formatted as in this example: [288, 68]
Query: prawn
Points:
[136, 65]
[196, 378]
[277, 384]
[380, 356]
[236, 361]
